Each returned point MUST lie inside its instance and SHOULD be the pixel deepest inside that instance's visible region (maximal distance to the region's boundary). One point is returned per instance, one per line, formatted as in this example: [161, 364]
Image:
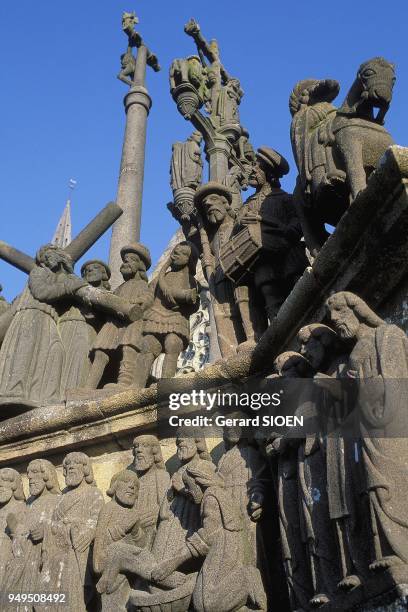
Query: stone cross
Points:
[137, 106]
[78, 247]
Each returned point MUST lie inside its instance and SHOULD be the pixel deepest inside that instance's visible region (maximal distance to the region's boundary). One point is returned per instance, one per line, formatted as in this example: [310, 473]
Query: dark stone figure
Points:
[379, 364]
[268, 226]
[326, 352]
[68, 539]
[120, 339]
[336, 149]
[154, 481]
[27, 530]
[228, 579]
[166, 326]
[291, 368]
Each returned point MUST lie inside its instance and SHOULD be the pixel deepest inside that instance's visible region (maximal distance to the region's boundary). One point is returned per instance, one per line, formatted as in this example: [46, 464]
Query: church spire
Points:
[62, 236]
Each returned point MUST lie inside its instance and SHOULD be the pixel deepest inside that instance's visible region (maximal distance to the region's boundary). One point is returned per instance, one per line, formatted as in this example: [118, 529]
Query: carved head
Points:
[96, 273]
[213, 200]
[371, 89]
[291, 365]
[136, 259]
[269, 167]
[184, 254]
[54, 258]
[42, 477]
[348, 312]
[129, 20]
[11, 486]
[190, 446]
[146, 453]
[315, 340]
[77, 468]
[232, 434]
[124, 487]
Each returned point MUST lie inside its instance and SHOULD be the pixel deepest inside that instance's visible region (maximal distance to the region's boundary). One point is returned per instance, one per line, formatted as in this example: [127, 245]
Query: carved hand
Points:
[148, 519]
[37, 532]
[250, 218]
[165, 568]
[191, 27]
[255, 506]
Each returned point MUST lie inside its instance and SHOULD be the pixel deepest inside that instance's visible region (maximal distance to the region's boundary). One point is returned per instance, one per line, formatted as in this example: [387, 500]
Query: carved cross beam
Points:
[78, 247]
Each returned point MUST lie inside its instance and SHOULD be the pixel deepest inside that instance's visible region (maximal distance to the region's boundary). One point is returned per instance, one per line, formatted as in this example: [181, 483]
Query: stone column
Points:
[218, 154]
[130, 187]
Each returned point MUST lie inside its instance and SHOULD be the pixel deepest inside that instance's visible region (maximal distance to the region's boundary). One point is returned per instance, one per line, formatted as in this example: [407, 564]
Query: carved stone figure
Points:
[268, 232]
[67, 540]
[336, 149]
[178, 519]
[12, 501]
[31, 365]
[186, 172]
[232, 312]
[166, 326]
[325, 351]
[379, 364]
[119, 521]
[27, 529]
[186, 163]
[291, 367]
[153, 482]
[120, 338]
[78, 327]
[228, 579]
[245, 476]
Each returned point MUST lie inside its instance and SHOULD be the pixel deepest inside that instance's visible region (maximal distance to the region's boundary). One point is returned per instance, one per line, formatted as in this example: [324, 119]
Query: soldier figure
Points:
[117, 334]
[270, 218]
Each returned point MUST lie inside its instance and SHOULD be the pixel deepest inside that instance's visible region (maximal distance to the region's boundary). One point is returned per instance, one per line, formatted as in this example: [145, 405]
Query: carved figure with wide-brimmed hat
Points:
[119, 339]
[269, 221]
[213, 201]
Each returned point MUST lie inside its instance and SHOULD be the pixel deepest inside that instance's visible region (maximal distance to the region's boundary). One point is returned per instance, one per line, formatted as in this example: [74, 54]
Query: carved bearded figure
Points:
[12, 500]
[118, 522]
[153, 481]
[379, 364]
[27, 529]
[32, 355]
[68, 539]
[228, 579]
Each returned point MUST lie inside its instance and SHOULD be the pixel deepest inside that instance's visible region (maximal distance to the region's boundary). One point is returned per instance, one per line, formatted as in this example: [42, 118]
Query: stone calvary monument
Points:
[99, 508]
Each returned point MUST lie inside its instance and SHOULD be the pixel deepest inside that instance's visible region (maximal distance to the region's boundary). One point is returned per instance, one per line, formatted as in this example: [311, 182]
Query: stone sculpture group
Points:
[312, 518]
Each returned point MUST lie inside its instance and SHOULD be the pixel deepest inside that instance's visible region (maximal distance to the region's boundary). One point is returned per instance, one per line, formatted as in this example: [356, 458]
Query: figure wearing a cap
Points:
[118, 338]
[79, 326]
[213, 200]
[281, 259]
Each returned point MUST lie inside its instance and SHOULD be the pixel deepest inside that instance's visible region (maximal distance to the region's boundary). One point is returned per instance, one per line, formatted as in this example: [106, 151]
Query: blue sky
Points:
[61, 104]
